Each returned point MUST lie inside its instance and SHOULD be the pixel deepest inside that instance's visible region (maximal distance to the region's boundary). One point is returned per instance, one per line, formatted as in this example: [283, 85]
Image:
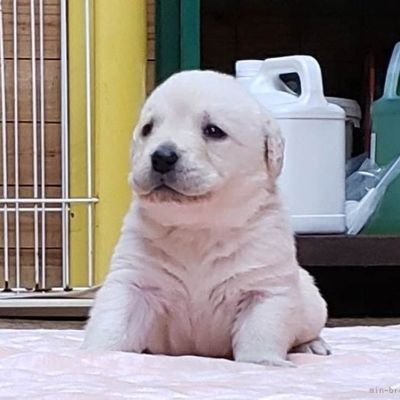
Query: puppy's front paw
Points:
[271, 361]
[91, 343]
[278, 363]
[317, 346]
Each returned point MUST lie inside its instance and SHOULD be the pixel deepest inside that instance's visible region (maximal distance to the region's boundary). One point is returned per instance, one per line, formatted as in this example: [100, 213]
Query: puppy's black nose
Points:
[164, 159]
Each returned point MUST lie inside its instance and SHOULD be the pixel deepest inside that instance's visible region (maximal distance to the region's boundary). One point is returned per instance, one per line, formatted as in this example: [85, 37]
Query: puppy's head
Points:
[202, 138]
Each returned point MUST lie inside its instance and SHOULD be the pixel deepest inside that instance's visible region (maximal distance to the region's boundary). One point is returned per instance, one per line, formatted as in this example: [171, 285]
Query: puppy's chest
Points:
[201, 321]
[208, 274]
[205, 290]
[202, 287]
[204, 280]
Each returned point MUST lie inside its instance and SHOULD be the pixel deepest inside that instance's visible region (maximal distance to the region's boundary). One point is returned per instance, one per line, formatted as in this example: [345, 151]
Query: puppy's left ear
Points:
[274, 147]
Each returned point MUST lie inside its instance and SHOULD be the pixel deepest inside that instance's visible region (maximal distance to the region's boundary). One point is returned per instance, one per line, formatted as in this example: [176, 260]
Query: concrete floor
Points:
[14, 323]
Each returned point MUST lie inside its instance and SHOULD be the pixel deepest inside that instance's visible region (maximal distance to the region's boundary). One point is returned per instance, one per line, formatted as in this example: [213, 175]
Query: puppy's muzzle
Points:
[164, 159]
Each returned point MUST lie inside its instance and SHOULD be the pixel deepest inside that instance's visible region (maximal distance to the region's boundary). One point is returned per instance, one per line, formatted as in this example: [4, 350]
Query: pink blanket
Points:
[47, 364]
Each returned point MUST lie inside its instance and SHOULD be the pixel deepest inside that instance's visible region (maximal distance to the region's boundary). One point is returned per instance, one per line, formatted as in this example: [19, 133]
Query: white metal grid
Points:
[39, 204]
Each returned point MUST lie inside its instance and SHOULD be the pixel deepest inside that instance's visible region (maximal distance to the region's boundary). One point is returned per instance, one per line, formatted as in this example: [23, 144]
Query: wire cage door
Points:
[36, 205]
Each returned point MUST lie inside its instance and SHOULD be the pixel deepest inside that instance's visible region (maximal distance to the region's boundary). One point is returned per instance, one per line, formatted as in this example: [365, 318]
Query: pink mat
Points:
[47, 364]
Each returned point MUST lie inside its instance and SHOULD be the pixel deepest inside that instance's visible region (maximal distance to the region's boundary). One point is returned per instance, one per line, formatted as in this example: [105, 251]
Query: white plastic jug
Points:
[313, 176]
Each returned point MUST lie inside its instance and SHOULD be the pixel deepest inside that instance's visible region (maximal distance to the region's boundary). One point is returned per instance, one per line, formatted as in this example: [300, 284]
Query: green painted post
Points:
[177, 37]
[167, 38]
[190, 34]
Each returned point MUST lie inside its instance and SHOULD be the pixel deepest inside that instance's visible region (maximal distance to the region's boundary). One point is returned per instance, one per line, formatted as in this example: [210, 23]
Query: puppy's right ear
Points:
[274, 147]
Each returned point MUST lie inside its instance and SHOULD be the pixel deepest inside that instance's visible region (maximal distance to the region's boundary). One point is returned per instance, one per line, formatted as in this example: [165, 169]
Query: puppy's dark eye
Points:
[214, 132]
[146, 130]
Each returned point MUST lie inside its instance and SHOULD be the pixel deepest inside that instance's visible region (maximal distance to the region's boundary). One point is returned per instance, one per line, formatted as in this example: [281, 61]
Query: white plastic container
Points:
[353, 119]
[313, 177]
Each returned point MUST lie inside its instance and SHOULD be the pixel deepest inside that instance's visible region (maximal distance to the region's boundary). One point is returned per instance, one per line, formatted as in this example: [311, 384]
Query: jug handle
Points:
[393, 74]
[308, 69]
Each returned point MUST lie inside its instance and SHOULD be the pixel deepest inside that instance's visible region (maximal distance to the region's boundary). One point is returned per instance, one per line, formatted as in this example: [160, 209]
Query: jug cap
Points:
[247, 68]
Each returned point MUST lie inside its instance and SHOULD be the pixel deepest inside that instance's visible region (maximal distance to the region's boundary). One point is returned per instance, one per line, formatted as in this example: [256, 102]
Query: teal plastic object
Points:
[386, 125]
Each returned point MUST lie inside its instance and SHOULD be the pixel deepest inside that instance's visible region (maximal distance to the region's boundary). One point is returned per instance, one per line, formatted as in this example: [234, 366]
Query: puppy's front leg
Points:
[121, 317]
[262, 332]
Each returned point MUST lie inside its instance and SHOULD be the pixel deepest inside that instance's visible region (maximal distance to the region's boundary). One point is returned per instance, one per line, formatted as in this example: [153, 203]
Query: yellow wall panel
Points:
[119, 77]
[119, 89]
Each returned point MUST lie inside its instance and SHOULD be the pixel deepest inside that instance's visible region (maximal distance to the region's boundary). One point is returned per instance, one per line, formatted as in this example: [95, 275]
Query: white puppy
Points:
[206, 262]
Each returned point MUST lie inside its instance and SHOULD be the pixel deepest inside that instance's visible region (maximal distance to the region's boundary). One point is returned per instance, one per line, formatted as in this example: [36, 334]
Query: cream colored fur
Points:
[209, 268]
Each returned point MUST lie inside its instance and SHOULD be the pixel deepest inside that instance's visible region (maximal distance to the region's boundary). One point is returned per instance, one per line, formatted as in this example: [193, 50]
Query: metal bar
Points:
[34, 141]
[88, 77]
[38, 200]
[4, 149]
[52, 292]
[29, 209]
[42, 142]
[16, 147]
[64, 146]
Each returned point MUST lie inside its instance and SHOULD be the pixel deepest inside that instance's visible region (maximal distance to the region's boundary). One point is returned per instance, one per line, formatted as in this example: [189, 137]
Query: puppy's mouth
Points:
[164, 188]
[166, 193]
